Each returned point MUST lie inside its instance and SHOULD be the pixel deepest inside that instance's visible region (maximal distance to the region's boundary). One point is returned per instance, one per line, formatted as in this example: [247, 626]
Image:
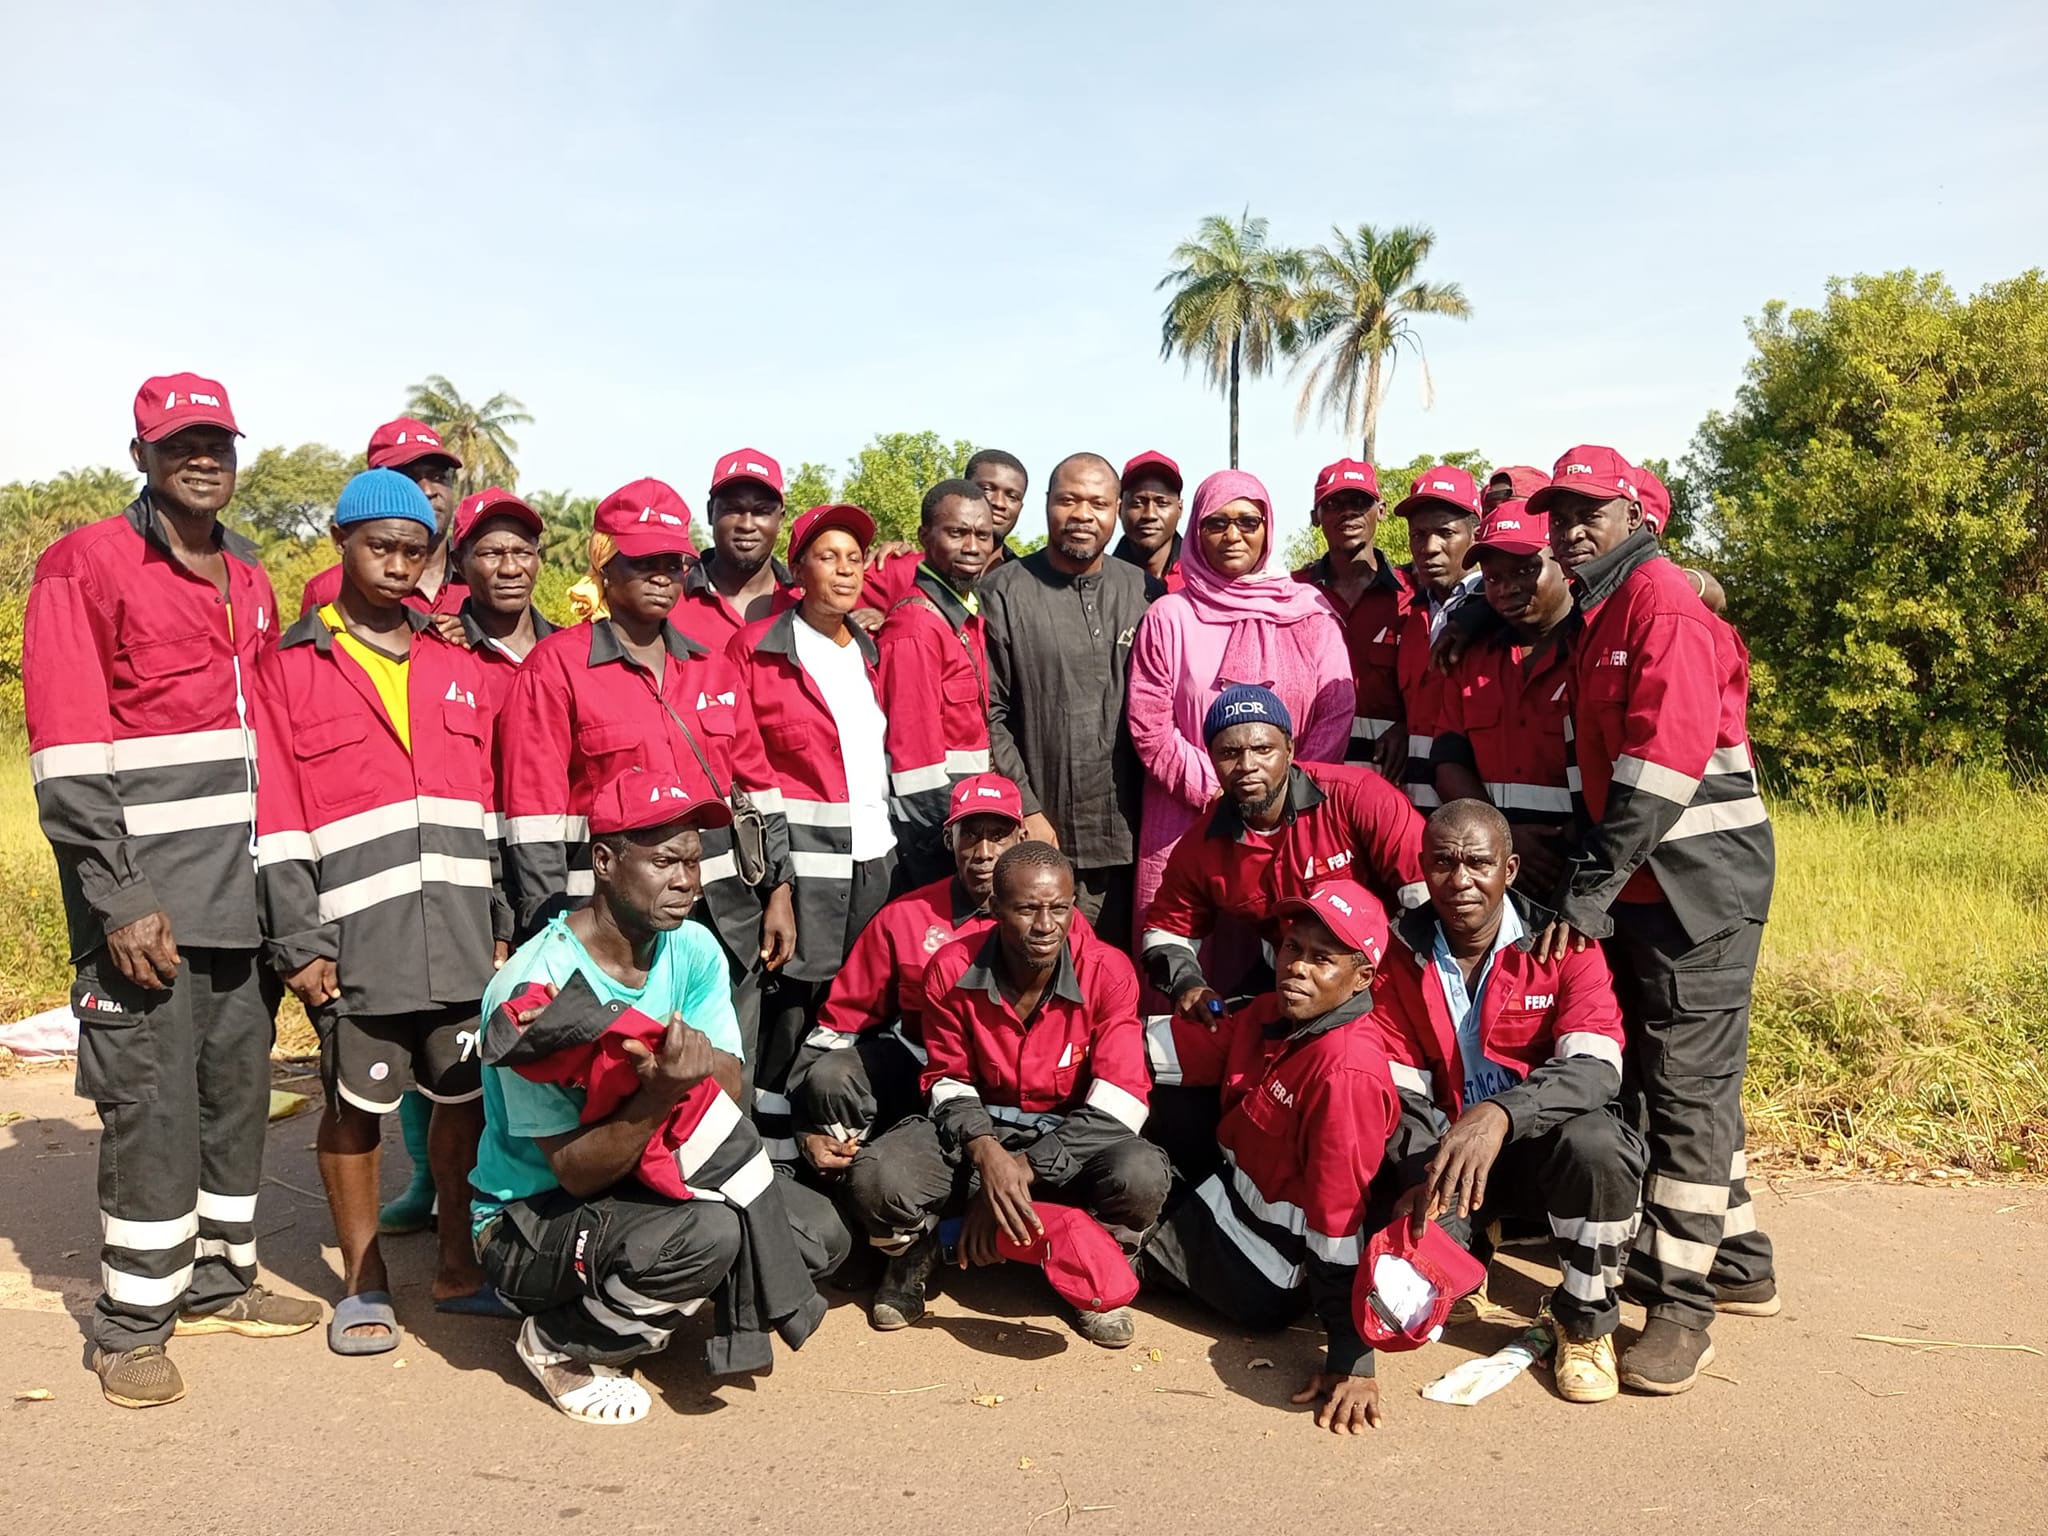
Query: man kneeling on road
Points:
[1308, 1104]
[1038, 1085]
[604, 1264]
[1509, 1067]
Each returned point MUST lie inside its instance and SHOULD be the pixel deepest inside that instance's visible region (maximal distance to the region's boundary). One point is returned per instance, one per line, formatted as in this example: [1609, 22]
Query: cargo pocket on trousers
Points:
[1709, 1034]
[116, 1045]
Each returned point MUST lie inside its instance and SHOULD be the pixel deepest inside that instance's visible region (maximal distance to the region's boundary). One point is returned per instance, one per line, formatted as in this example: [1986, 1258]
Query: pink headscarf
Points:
[1262, 606]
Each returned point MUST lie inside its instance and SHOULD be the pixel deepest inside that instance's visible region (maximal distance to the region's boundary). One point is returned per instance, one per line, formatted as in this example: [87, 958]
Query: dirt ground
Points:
[1803, 1427]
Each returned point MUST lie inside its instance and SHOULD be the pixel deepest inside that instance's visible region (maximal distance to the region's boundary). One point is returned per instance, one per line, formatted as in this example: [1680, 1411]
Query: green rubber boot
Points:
[412, 1211]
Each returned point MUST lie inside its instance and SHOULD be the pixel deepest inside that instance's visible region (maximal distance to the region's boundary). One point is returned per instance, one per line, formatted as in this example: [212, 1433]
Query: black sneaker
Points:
[1666, 1358]
[899, 1299]
[1113, 1329]
[143, 1377]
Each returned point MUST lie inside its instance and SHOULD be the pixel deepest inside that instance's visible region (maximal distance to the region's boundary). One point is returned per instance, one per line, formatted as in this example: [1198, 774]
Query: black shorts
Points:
[372, 1059]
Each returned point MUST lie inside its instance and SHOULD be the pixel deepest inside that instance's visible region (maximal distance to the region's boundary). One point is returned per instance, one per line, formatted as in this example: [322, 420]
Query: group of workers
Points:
[1135, 908]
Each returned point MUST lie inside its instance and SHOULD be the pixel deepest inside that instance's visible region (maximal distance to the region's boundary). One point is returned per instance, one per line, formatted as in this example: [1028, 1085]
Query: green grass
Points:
[1901, 1009]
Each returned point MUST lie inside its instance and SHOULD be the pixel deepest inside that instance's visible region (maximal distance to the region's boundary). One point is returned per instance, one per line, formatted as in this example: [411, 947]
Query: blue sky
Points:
[674, 229]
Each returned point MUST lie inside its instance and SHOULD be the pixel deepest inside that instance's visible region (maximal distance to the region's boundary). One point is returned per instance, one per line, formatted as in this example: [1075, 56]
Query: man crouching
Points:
[1307, 1107]
[617, 1185]
[1509, 1067]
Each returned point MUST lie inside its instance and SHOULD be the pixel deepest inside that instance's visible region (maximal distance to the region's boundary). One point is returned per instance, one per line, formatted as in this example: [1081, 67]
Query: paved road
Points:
[1811, 1430]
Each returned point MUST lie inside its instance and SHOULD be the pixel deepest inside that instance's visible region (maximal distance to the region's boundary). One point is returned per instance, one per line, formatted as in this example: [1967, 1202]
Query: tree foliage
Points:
[289, 493]
[565, 527]
[1877, 504]
[480, 435]
[1232, 304]
[890, 476]
[1357, 311]
[810, 485]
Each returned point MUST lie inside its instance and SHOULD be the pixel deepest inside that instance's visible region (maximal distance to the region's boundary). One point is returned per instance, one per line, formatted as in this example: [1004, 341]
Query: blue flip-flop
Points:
[364, 1308]
[484, 1301]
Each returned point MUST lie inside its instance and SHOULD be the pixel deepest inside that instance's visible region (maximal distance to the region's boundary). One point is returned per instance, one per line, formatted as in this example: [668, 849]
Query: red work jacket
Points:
[932, 670]
[1501, 713]
[1372, 634]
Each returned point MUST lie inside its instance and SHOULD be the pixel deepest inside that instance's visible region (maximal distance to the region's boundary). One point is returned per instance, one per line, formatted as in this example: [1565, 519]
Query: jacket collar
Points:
[1302, 795]
[1386, 576]
[473, 632]
[146, 520]
[605, 644]
[779, 638]
[1353, 1008]
[312, 629]
[1599, 579]
[964, 905]
[1129, 553]
[981, 975]
[942, 595]
[1418, 928]
[697, 579]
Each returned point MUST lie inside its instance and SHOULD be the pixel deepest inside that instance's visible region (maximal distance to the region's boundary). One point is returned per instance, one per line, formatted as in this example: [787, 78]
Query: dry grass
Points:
[1901, 1012]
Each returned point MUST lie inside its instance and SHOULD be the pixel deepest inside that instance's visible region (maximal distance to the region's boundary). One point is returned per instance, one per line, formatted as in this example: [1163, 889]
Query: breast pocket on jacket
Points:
[153, 681]
[331, 777]
[607, 748]
[467, 768]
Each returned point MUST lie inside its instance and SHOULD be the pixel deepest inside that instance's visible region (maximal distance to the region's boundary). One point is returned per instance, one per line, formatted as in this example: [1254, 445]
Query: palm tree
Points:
[1359, 306]
[478, 433]
[1232, 308]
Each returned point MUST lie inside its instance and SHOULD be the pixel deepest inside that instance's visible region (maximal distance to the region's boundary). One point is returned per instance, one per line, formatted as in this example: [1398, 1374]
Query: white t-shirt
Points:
[842, 676]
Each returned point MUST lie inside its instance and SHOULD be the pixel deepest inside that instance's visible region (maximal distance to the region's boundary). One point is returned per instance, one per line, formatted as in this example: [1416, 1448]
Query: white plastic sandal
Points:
[588, 1393]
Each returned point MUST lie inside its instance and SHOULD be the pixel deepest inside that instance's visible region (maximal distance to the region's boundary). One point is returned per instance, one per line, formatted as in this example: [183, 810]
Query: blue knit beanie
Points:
[379, 493]
[1245, 704]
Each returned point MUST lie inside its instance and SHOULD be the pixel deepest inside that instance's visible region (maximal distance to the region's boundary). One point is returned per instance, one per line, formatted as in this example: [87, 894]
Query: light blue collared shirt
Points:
[1483, 1077]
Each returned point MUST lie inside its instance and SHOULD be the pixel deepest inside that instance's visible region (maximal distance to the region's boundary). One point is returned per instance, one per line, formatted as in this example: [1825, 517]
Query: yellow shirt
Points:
[387, 674]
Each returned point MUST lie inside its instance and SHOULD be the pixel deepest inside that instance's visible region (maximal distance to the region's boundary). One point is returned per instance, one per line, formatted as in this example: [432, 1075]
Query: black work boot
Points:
[1666, 1358]
[1759, 1298]
[899, 1299]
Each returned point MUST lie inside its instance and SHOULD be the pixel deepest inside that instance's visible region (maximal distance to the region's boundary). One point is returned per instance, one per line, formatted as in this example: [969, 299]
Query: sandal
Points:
[484, 1301]
[365, 1309]
[585, 1391]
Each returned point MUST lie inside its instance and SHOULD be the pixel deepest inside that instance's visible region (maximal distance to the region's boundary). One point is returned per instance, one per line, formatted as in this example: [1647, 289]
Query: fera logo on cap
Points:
[1578, 469]
[1508, 525]
[749, 467]
[420, 437]
[655, 515]
[1352, 474]
[671, 791]
[1338, 902]
[191, 398]
[1441, 485]
[983, 792]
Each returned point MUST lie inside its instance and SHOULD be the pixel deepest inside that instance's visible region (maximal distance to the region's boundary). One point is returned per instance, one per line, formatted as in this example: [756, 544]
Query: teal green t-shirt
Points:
[688, 976]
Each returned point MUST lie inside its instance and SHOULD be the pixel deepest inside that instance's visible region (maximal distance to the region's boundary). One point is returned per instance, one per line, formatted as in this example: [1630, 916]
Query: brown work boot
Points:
[142, 1377]
[255, 1314]
[1757, 1299]
[1666, 1358]
[1584, 1369]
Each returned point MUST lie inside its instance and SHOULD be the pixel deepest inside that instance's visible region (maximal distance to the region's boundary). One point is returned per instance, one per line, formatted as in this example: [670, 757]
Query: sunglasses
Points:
[1247, 524]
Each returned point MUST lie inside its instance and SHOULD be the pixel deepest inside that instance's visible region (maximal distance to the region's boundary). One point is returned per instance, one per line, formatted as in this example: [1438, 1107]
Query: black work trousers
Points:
[861, 1088]
[181, 1080]
[1686, 1007]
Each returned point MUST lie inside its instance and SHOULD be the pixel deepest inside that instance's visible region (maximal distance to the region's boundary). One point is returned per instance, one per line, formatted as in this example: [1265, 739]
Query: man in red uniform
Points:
[857, 1074]
[1502, 707]
[1308, 1106]
[1675, 871]
[378, 871]
[416, 451]
[1442, 509]
[1373, 595]
[740, 580]
[1513, 482]
[1508, 1062]
[933, 670]
[141, 640]
[1037, 1086]
[497, 556]
[1151, 512]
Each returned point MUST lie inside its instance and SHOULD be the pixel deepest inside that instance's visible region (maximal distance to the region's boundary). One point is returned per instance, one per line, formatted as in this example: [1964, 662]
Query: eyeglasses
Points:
[1248, 524]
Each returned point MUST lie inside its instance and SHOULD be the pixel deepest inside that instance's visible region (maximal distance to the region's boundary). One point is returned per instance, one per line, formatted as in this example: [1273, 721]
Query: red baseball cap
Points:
[645, 518]
[1085, 1264]
[1511, 529]
[1346, 475]
[1349, 911]
[495, 501]
[401, 441]
[1655, 498]
[1154, 460]
[746, 464]
[986, 794]
[852, 519]
[637, 800]
[1524, 479]
[1447, 483]
[1588, 470]
[1406, 1286]
[174, 401]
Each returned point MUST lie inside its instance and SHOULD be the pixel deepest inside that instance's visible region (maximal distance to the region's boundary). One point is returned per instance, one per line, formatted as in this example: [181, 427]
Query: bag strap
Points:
[725, 791]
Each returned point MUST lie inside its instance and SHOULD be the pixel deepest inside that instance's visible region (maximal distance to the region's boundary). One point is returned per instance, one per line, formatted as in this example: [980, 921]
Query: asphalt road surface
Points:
[1802, 1427]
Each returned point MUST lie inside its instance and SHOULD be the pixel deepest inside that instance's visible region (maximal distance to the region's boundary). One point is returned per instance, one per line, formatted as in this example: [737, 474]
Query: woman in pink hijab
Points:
[1240, 618]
